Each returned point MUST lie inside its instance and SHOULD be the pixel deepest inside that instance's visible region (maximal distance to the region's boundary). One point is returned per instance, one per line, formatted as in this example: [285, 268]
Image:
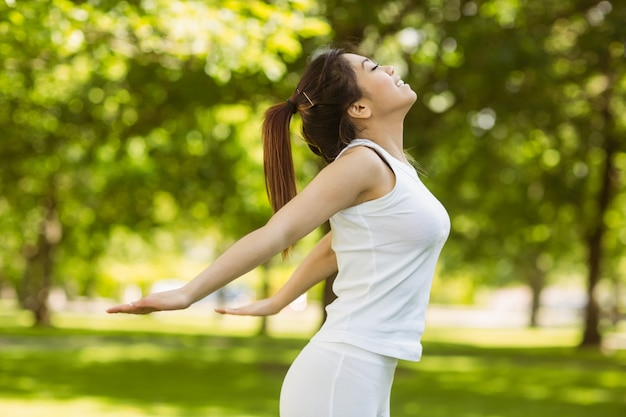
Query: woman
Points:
[387, 233]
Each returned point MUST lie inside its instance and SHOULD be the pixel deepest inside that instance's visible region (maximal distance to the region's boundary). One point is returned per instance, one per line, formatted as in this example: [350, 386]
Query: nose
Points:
[390, 69]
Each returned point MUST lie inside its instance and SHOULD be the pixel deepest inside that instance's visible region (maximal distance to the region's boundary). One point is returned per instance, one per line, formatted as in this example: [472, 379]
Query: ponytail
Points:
[325, 91]
[280, 177]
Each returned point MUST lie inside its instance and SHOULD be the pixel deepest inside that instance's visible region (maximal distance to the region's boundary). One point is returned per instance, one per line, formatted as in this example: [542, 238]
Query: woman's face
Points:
[381, 86]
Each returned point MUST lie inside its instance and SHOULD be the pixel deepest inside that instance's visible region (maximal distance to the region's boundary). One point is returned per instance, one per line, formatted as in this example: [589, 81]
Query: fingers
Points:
[122, 308]
[239, 311]
[259, 308]
[225, 310]
[131, 308]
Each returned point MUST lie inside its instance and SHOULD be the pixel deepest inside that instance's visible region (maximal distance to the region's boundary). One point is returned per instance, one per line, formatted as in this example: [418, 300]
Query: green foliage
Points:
[143, 118]
[133, 115]
[519, 128]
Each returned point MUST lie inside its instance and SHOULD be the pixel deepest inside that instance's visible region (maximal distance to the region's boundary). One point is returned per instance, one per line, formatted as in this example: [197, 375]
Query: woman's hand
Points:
[166, 300]
[265, 307]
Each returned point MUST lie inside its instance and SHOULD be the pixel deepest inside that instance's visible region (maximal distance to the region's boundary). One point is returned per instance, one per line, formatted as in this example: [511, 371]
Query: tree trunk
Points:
[536, 282]
[37, 279]
[328, 296]
[617, 297]
[591, 333]
[265, 293]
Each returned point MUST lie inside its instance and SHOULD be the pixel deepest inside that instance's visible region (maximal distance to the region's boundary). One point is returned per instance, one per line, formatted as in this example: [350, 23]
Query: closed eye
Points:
[375, 67]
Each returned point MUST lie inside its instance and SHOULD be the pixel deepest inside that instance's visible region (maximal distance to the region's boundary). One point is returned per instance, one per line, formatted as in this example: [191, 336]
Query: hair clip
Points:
[307, 97]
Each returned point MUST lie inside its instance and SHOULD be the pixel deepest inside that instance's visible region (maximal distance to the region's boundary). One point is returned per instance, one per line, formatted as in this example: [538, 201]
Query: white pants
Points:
[337, 380]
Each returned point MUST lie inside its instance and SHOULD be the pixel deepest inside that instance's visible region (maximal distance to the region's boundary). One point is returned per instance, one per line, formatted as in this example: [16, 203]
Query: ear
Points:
[359, 110]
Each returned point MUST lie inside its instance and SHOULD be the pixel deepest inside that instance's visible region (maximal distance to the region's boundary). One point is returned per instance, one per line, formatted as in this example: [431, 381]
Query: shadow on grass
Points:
[457, 380]
[184, 372]
[243, 375]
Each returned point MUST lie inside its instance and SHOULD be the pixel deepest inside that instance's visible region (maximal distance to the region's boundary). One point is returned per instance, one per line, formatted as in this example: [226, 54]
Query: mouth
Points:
[399, 83]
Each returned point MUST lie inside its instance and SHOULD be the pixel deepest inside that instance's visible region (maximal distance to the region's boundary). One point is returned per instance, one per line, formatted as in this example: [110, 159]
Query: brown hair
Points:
[325, 91]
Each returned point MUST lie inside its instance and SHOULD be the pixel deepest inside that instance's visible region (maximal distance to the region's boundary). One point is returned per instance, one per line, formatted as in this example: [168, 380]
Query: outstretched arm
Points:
[250, 251]
[353, 178]
[317, 266]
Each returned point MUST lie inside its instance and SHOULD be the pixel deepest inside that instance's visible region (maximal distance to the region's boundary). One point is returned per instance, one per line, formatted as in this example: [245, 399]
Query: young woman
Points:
[387, 233]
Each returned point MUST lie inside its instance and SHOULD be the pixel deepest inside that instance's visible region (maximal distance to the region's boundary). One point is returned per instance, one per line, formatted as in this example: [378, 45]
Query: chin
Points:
[411, 99]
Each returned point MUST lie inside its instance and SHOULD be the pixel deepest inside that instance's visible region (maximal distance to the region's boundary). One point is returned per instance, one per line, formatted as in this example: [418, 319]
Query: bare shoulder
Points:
[354, 168]
[367, 171]
[357, 172]
[359, 175]
[365, 157]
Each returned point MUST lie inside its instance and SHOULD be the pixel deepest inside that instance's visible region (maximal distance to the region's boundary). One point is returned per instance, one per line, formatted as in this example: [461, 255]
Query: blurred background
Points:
[130, 157]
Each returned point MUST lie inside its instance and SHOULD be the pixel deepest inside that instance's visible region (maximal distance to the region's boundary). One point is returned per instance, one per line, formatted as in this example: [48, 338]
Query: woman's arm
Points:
[345, 182]
[317, 266]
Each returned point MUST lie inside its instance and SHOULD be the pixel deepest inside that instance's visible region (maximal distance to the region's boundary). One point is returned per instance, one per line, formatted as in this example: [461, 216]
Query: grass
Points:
[138, 367]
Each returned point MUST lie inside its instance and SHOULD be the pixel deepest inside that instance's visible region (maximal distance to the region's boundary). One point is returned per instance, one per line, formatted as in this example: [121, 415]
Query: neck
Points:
[388, 135]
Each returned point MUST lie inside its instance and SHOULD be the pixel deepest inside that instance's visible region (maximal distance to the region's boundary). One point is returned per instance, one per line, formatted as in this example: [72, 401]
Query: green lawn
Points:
[133, 368]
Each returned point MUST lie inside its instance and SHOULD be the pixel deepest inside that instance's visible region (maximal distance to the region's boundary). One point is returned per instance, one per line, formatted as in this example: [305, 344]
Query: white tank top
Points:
[386, 250]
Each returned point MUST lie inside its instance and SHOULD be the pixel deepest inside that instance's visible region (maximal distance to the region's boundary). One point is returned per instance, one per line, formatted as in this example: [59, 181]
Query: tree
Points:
[145, 116]
[121, 114]
[523, 105]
